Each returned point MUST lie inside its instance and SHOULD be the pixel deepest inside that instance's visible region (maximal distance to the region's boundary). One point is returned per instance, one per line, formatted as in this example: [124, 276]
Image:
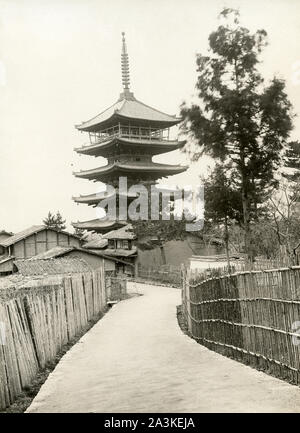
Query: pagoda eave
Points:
[94, 199]
[99, 226]
[154, 147]
[118, 169]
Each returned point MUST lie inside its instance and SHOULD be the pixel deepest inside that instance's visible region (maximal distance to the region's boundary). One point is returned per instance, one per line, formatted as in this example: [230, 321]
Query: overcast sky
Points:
[60, 65]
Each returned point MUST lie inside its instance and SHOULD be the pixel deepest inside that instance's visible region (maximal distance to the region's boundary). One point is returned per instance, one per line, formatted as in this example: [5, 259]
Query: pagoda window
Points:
[125, 245]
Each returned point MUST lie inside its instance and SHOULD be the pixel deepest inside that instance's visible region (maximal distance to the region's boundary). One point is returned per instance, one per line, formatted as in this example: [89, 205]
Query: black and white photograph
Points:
[150, 210]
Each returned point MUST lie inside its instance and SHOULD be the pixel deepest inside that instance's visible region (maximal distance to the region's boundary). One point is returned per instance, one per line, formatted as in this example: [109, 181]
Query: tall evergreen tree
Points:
[239, 119]
[292, 161]
[222, 202]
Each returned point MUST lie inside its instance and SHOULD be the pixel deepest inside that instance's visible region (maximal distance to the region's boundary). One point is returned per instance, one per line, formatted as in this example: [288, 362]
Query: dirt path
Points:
[136, 359]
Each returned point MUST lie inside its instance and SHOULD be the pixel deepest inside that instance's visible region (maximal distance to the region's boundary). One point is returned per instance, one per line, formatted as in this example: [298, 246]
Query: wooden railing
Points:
[251, 316]
[130, 132]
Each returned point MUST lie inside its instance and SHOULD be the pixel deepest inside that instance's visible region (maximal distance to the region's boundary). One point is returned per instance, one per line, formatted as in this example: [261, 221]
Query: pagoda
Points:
[128, 134]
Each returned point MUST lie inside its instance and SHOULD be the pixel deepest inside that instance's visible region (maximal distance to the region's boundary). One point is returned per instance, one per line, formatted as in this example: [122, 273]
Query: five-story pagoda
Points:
[128, 134]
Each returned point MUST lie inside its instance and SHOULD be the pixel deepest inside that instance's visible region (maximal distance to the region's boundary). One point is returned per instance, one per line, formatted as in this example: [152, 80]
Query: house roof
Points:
[52, 266]
[128, 108]
[122, 233]
[140, 167]
[28, 232]
[57, 252]
[153, 146]
[96, 244]
[120, 252]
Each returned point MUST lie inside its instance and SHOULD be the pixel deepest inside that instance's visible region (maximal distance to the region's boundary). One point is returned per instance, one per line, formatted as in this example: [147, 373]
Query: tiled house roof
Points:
[52, 266]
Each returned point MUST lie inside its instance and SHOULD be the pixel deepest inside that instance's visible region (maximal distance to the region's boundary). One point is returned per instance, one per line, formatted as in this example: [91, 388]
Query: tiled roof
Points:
[22, 235]
[28, 232]
[122, 233]
[52, 266]
[128, 108]
[120, 252]
[59, 252]
[131, 166]
[96, 244]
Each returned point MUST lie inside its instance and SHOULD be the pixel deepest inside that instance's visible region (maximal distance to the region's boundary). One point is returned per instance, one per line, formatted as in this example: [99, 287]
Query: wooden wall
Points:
[176, 252]
[41, 242]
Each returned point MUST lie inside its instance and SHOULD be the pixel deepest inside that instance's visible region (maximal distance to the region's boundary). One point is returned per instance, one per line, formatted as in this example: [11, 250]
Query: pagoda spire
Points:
[125, 65]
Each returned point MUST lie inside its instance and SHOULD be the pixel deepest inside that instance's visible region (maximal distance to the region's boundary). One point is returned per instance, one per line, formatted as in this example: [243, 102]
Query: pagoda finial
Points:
[125, 65]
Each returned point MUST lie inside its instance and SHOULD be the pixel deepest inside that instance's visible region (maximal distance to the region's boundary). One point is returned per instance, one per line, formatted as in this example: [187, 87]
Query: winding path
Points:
[136, 359]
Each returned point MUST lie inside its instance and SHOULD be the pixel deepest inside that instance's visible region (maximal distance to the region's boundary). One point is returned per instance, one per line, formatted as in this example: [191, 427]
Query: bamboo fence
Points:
[37, 321]
[251, 316]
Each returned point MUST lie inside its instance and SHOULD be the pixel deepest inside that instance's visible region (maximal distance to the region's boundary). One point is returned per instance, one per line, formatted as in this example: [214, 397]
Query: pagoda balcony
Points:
[140, 133]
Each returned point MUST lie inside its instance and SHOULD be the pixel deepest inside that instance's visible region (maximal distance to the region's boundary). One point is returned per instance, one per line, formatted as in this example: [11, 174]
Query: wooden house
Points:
[30, 242]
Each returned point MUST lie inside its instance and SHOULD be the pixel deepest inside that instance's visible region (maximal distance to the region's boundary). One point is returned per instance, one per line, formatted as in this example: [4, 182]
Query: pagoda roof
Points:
[132, 167]
[128, 108]
[99, 225]
[154, 146]
[93, 199]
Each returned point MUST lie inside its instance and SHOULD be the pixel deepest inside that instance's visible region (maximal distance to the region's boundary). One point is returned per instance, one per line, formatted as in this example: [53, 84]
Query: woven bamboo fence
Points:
[36, 322]
[253, 317]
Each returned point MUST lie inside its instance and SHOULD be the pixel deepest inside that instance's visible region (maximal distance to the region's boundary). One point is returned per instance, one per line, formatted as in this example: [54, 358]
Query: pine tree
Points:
[292, 161]
[55, 221]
